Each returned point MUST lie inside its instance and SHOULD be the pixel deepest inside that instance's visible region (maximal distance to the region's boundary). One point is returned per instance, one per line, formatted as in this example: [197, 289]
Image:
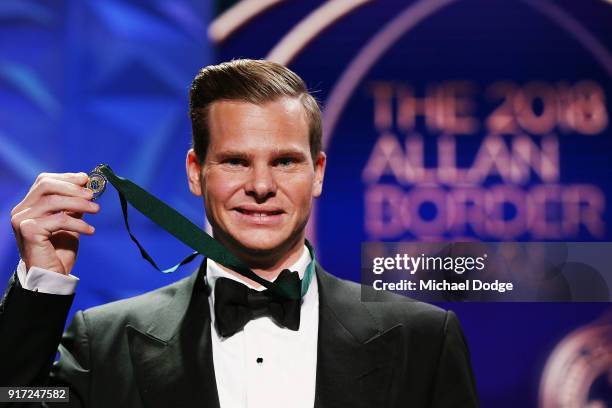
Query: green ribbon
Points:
[192, 236]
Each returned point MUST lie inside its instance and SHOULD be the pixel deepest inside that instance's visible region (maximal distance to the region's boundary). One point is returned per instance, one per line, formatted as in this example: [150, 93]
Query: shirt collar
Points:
[214, 271]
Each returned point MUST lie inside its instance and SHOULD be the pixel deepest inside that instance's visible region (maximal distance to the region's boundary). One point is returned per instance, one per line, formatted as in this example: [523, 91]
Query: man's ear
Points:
[319, 174]
[194, 172]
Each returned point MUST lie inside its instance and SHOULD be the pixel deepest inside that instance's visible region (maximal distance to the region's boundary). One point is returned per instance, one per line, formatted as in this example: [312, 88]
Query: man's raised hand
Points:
[48, 221]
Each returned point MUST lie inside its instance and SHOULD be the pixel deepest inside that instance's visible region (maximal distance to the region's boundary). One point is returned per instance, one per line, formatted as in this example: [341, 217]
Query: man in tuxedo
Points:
[216, 338]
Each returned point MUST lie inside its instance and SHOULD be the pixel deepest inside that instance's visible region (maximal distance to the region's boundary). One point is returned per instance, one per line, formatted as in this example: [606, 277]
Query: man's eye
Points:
[285, 161]
[234, 162]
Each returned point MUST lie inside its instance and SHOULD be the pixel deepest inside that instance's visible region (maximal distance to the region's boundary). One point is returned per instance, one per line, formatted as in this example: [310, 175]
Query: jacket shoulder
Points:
[138, 309]
[391, 309]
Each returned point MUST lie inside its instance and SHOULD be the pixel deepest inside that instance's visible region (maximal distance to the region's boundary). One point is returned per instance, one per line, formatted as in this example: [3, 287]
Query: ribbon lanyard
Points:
[185, 231]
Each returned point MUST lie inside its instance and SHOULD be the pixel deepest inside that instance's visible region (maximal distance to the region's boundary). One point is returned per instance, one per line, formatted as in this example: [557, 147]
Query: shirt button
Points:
[259, 360]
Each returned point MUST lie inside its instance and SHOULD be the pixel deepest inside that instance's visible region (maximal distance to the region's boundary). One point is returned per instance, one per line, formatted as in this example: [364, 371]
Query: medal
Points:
[96, 182]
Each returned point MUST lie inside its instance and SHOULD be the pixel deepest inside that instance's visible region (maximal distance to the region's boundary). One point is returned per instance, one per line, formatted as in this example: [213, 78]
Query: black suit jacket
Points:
[154, 350]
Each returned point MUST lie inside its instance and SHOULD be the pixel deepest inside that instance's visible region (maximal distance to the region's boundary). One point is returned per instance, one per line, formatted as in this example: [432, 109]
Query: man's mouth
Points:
[259, 216]
[259, 213]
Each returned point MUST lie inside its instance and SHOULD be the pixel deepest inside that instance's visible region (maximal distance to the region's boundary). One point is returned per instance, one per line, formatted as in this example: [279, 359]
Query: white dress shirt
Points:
[263, 365]
[285, 375]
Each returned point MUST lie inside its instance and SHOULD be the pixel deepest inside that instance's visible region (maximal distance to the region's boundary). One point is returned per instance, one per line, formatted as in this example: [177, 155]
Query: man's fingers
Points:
[51, 185]
[75, 214]
[68, 186]
[39, 229]
[76, 178]
[53, 204]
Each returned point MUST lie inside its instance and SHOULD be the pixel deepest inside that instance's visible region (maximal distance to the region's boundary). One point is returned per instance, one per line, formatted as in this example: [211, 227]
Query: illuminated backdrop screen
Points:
[459, 120]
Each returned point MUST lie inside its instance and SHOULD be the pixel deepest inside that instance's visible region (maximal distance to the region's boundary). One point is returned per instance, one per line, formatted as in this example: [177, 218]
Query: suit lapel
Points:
[356, 356]
[172, 357]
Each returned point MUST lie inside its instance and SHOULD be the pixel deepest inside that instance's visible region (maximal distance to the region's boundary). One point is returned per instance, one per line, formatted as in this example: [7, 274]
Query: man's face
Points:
[258, 178]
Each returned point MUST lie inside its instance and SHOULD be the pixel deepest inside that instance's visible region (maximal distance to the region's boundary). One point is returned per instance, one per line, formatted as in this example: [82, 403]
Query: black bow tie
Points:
[236, 304]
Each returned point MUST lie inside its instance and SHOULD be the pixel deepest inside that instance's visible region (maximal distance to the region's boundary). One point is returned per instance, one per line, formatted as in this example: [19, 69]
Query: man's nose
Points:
[261, 185]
